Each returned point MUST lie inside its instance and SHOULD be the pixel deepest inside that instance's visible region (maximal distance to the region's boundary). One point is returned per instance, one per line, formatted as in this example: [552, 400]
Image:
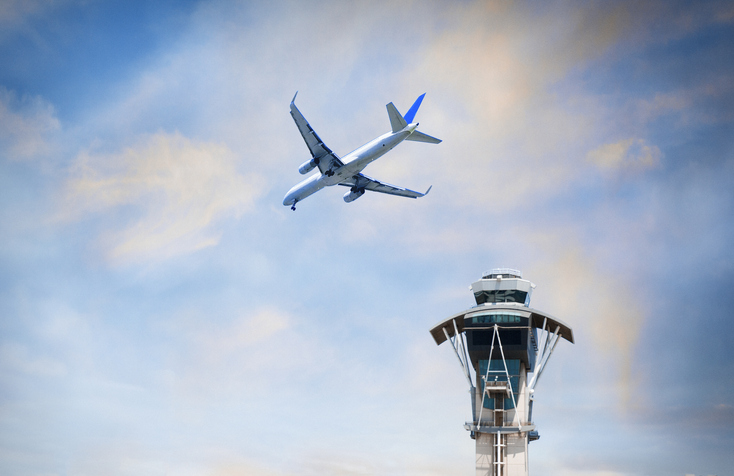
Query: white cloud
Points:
[241, 356]
[491, 70]
[25, 126]
[594, 303]
[17, 357]
[630, 155]
[246, 331]
[178, 188]
[662, 104]
[124, 457]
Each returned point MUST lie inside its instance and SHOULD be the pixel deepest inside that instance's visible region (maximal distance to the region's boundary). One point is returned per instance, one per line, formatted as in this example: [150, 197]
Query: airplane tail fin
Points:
[399, 122]
[396, 120]
[410, 115]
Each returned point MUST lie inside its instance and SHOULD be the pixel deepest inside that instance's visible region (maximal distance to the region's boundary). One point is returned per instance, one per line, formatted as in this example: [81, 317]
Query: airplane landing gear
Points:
[293, 207]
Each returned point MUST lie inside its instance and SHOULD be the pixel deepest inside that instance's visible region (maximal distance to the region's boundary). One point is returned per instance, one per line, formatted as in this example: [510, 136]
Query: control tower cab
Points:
[503, 345]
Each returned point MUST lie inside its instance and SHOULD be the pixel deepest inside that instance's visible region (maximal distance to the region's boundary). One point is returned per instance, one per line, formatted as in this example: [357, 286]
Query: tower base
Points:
[501, 454]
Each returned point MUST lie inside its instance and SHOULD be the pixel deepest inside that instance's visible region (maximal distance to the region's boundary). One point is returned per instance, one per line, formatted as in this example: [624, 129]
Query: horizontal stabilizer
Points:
[421, 137]
[396, 119]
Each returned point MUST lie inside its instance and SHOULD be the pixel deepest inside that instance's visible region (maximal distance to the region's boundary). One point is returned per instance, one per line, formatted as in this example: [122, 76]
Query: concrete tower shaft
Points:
[503, 346]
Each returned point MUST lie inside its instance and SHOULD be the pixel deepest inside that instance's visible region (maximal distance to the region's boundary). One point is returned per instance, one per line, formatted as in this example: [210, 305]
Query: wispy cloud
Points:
[513, 140]
[25, 125]
[178, 190]
[629, 155]
[241, 356]
[17, 357]
[14, 12]
[595, 303]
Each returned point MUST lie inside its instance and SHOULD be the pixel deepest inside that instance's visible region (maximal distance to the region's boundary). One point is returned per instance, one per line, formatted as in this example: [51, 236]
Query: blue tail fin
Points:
[410, 115]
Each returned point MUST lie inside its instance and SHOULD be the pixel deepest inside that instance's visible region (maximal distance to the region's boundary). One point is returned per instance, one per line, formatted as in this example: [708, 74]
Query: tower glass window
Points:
[497, 318]
[497, 373]
[509, 295]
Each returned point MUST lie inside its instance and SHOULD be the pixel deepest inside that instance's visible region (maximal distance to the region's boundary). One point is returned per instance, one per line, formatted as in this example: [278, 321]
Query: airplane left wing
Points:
[362, 181]
[326, 160]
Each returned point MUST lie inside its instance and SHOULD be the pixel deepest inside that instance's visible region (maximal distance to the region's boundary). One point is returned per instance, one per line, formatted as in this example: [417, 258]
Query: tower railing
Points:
[502, 272]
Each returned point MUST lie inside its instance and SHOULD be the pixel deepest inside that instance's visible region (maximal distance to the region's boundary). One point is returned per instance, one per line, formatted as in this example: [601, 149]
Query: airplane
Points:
[347, 171]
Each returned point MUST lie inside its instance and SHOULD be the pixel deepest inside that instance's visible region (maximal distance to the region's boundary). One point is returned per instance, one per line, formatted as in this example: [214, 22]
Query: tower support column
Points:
[485, 454]
[501, 454]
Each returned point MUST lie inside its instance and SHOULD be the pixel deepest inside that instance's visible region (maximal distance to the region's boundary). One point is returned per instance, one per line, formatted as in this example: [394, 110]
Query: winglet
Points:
[410, 115]
[429, 189]
[294, 97]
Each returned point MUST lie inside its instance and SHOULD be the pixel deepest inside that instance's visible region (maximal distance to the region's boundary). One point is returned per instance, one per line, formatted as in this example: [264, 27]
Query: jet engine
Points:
[353, 194]
[306, 167]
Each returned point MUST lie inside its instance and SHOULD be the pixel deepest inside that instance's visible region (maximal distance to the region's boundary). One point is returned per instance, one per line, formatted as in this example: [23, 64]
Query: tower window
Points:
[510, 295]
[497, 372]
[496, 319]
[509, 337]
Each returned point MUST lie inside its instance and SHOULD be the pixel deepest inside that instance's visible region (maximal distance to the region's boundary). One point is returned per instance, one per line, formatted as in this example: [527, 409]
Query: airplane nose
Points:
[289, 197]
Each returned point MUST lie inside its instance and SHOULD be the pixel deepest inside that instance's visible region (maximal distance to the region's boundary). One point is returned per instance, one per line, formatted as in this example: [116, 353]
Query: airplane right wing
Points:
[367, 183]
[324, 157]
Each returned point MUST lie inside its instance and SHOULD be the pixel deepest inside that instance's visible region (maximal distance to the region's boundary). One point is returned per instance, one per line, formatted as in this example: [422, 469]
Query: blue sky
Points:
[162, 313]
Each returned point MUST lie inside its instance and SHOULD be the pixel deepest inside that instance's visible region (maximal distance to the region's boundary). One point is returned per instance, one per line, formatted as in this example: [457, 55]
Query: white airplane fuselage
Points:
[354, 163]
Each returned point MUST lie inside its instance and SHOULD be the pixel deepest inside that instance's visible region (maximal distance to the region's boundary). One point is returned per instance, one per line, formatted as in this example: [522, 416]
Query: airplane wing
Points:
[326, 159]
[367, 183]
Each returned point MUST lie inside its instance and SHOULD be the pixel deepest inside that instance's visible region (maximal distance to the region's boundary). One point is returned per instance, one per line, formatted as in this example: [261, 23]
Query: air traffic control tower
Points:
[503, 345]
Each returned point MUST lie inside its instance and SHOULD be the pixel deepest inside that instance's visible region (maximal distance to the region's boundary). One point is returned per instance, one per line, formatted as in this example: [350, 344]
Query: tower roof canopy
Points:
[536, 320]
